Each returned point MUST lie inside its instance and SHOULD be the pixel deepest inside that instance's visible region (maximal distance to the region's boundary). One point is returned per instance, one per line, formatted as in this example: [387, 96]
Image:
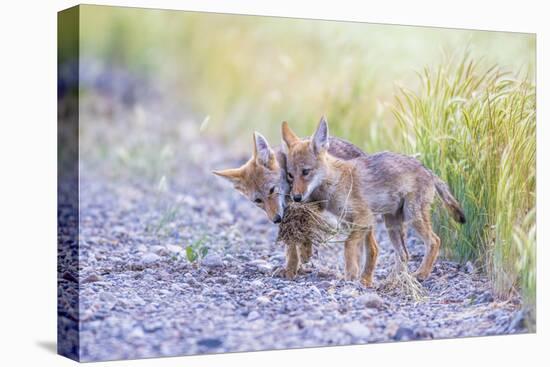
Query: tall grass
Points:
[475, 127]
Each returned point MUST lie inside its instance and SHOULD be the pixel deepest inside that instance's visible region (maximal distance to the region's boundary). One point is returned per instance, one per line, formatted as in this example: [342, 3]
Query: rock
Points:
[325, 284]
[404, 334]
[371, 300]
[92, 278]
[210, 343]
[136, 333]
[254, 315]
[263, 300]
[485, 297]
[150, 258]
[174, 249]
[151, 326]
[212, 261]
[469, 267]
[518, 323]
[159, 250]
[69, 276]
[107, 297]
[257, 283]
[357, 330]
[316, 292]
[261, 265]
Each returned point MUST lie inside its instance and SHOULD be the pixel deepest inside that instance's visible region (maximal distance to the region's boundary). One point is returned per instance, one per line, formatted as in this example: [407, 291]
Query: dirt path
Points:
[140, 296]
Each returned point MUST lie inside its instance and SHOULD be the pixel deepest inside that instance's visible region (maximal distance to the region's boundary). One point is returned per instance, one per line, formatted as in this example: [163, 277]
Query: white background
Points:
[28, 182]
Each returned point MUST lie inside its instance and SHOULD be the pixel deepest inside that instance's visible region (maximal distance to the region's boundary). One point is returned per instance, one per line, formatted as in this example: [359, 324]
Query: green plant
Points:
[475, 127]
[197, 250]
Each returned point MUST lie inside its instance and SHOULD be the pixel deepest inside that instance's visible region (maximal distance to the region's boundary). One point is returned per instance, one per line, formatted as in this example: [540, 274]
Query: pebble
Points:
[404, 334]
[257, 283]
[92, 278]
[210, 343]
[212, 261]
[150, 258]
[371, 300]
[357, 330]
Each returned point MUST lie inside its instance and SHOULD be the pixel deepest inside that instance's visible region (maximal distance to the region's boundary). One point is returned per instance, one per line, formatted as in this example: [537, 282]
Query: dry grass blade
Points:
[405, 284]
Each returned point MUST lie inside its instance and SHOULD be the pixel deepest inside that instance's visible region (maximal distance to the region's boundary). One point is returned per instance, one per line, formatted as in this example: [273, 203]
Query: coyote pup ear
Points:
[288, 135]
[234, 175]
[262, 152]
[319, 140]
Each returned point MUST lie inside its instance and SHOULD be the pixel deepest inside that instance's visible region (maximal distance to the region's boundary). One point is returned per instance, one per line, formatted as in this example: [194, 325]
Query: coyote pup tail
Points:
[449, 200]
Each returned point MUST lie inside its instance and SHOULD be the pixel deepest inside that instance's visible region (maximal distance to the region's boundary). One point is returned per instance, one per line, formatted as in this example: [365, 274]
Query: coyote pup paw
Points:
[290, 274]
[421, 276]
[367, 282]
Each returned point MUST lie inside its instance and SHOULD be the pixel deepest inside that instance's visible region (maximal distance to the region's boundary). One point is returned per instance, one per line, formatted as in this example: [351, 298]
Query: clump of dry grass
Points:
[404, 283]
[303, 223]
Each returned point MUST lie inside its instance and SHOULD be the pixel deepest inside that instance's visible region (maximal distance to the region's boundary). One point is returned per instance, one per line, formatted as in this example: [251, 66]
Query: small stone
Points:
[159, 250]
[262, 266]
[404, 334]
[257, 283]
[210, 343]
[150, 258]
[151, 326]
[371, 300]
[174, 249]
[136, 333]
[69, 276]
[518, 322]
[263, 300]
[469, 267]
[92, 278]
[254, 315]
[357, 330]
[325, 284]
[107, 297]
[485, 297]
[313, 289]
[212, 261]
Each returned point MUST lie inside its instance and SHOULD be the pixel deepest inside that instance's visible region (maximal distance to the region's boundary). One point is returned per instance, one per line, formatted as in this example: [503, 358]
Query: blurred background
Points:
[462, 101]
[248, 72]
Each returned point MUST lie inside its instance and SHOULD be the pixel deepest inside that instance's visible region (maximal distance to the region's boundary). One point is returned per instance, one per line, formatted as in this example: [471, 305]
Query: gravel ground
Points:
[140, 296]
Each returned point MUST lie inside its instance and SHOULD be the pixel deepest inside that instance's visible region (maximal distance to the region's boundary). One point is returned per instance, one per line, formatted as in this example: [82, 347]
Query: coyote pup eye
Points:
[272, 190]
[305, 172]
[290, 177]
[258, 201]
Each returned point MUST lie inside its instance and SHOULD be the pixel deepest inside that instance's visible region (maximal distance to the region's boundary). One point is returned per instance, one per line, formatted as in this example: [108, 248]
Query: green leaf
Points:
[191, 254]
[203, 251]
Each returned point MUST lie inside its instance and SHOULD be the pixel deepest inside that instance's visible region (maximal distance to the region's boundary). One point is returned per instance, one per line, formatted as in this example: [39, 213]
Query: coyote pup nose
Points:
[277, 218]
[297, 198]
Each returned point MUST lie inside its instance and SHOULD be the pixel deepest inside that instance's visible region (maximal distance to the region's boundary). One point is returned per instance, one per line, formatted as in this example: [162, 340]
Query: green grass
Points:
[475, 127]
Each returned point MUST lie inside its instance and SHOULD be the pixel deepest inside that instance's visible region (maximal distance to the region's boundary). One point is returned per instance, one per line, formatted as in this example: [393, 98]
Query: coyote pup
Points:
[397, 186]
[263, 181]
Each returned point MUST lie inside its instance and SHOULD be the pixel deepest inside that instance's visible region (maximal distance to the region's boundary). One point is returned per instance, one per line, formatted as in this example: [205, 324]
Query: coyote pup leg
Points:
[352, 254]
[423, 227]
[370, 262]
[396, 233]
[292, 261]
[306, 250]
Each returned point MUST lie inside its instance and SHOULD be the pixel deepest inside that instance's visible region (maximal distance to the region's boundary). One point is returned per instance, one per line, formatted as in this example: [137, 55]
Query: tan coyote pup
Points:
[396, 186]
[262, 179]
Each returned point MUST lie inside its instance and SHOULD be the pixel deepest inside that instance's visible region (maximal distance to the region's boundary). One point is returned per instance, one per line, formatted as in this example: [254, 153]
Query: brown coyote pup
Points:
[397, 186]
[263, 181]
